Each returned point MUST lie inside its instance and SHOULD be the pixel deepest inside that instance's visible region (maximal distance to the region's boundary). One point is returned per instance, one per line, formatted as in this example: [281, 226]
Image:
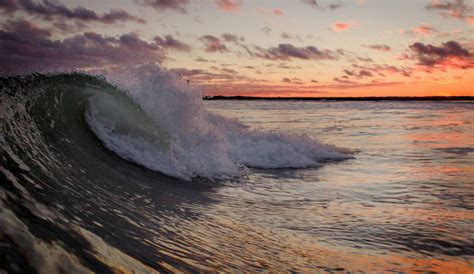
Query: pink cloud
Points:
[229, 5]
[280, 12]
[423, 29]
[341, 26]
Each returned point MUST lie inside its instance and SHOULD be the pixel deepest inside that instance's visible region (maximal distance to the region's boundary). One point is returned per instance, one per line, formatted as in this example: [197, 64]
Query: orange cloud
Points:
[470, 20]
[423, 29]
[341, 26]
[229, 5]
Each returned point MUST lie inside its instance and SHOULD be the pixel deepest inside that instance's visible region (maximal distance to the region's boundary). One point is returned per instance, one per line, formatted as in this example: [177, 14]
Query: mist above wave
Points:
[193, 142]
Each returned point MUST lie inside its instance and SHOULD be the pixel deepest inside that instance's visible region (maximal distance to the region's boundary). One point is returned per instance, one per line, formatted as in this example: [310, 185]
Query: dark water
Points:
[404, 203]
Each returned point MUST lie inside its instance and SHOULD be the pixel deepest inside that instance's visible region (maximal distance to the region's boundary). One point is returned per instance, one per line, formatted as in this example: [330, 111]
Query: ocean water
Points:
[404, 203]
[150, 178]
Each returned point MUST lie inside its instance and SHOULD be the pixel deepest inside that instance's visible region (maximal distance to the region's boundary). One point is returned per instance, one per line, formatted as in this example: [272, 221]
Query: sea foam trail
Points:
[184, 139]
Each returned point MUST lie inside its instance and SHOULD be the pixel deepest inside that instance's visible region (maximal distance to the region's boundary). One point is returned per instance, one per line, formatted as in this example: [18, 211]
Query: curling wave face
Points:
[162, 125]
[194, 142]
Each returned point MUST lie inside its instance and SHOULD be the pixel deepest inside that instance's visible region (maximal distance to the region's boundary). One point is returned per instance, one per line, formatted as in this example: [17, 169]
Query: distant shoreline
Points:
[386, 98]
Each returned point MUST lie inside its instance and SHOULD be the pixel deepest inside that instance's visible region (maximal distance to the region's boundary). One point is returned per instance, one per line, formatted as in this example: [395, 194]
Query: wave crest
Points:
[185, 140]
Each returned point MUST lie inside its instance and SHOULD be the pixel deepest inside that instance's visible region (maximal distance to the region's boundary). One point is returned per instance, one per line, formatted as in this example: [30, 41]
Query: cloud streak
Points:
[162, 5]
[274, 11]
[360, 74]
[213, 44]
[335, 6]
[315, 4]
[312, 3]
[379, 47]
[54, 10]
[342, 26]
[423, 29]
[168, 41]
[383, 70]
[284, 52]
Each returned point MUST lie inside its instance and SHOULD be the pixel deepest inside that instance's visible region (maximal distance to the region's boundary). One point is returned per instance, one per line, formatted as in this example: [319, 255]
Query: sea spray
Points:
[198, 142]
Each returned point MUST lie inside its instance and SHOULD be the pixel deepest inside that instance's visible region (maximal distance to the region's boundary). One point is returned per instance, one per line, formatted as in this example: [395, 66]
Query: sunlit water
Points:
[404, 203]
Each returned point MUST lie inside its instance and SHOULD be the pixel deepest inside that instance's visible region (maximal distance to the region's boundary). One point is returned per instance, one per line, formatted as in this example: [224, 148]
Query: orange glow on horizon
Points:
[443, 87]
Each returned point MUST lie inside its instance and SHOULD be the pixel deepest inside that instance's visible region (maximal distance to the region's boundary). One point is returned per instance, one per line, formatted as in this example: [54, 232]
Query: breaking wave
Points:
[153, 119]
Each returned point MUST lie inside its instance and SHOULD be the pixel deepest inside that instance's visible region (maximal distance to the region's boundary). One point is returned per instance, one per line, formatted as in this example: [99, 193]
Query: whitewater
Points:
[133, 171]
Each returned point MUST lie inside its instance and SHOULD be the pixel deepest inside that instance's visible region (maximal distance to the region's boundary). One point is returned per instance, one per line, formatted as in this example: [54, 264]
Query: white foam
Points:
[197, 142]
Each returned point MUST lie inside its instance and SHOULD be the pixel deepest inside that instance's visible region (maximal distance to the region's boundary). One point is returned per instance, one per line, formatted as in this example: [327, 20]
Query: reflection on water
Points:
[405, 203]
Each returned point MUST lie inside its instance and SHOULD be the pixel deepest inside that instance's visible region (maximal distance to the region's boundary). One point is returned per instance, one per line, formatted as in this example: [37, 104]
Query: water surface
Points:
[404, 203]
[402, 200]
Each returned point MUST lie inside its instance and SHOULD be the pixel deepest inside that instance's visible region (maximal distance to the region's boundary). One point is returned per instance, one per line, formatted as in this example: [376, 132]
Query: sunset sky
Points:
[255, 48]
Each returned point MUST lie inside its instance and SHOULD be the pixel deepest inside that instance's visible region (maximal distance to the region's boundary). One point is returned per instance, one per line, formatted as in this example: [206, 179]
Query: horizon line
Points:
[343, 98]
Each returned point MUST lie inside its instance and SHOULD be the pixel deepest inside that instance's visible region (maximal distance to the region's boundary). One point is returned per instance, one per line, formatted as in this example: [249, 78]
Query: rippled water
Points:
[404, 203]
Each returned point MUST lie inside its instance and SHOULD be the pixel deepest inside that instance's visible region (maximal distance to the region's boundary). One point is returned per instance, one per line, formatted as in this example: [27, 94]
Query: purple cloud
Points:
[160, 5]
[380, 47]
[451, 48]
[200, 59]
[213, 44]
[312, 3]
[381, 70]
[169, 42]
[26, 47]
[8, 5]
[315, 4]
[335, 6]
[362, 73]
[232, 38]
[288, 52]
[365, 73]
[448, 54]
[285, 35]
[343, 81]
